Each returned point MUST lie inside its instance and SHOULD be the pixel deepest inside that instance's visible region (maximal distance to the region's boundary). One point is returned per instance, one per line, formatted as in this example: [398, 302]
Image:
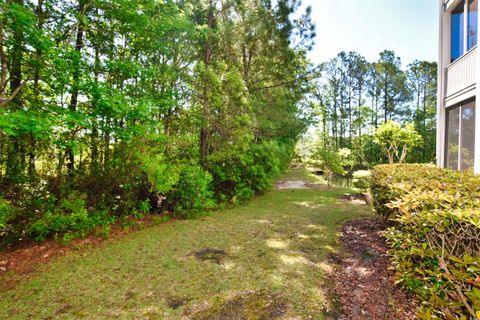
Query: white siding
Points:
[461, 75]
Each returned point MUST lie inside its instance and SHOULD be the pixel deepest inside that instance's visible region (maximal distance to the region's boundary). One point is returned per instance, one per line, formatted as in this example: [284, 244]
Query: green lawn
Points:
[273, 266]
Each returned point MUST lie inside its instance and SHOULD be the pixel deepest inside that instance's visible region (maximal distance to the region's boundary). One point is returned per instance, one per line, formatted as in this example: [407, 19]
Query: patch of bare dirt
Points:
[209, 254]
[363, 283]
[299, 184]
[356, 199]
[247, 305]
[177, 302]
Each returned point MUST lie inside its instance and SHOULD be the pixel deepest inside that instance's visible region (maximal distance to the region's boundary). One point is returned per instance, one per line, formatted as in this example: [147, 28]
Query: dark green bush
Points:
[144, 178]
[238, 177]
[69, 220]
[362, 179]
[193, 192]
[7, 213]
[435, 239]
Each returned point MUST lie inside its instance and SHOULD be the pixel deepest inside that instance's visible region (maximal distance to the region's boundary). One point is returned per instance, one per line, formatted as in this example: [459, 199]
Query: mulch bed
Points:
[364, 284]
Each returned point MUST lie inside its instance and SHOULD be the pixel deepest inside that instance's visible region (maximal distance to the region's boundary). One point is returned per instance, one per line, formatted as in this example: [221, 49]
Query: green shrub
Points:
[435, 239]
[7, 212]
[237, 177]
[331, 162]
[263, 162]
[161, 174]
[436, 255]
[361, 180]
[69, 220]
[450, 189]
[192, 193]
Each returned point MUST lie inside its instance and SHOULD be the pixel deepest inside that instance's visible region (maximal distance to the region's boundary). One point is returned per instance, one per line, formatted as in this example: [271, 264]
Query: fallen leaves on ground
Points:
[363, 282]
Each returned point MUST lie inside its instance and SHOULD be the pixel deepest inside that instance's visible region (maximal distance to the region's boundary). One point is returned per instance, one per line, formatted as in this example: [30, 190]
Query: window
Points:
[453, 137]
[472, 24]
[461, 136]
[464, 34]
[458, 27]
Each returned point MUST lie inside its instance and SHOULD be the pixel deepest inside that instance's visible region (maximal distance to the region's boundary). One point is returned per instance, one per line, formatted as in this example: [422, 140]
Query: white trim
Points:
[465, 26]
[460, 96]
[443, 61]
[460, 136]
[476, 156]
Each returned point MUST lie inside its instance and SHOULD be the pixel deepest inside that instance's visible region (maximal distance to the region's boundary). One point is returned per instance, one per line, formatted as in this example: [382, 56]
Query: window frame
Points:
[465, 27]
[460, 107]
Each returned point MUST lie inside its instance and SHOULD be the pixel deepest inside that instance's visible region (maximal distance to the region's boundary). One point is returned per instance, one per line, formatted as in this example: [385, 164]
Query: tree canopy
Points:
[116, 105]
[354, 97]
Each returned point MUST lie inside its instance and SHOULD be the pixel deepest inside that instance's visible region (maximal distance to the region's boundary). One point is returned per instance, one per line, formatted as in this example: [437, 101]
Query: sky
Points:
[409, 27]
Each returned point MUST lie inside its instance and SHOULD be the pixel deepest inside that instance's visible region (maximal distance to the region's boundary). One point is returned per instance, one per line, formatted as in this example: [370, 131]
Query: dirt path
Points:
[267, 259]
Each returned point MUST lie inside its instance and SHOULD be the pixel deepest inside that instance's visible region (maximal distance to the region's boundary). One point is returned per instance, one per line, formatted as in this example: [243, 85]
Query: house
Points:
[458, 136]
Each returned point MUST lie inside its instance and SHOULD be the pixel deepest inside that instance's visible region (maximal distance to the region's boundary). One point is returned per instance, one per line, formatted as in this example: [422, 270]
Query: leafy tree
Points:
[125, 103]
[396, 140]
[422, 79]
[392, 84]
[354, 96]
[331, 163]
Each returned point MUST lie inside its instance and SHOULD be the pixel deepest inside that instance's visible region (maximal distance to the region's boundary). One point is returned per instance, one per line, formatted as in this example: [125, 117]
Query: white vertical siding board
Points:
[476, 164]
[443, 60]
[462, 73]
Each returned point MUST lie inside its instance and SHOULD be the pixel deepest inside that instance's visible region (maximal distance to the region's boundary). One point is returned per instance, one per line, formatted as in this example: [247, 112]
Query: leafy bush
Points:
[161, 174]
[193, 192]
[238, 176]
[448, 188]
[69, 220]
[361, 180]
[331, 162]
[144, 177]
[435, 241]
[7, 212]
[264, 163]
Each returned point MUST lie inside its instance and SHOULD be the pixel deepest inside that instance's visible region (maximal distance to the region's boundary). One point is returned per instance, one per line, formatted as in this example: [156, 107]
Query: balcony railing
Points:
[461, 73]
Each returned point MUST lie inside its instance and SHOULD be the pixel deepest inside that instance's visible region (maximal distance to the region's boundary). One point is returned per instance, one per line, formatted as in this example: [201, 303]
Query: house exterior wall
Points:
[457, 82]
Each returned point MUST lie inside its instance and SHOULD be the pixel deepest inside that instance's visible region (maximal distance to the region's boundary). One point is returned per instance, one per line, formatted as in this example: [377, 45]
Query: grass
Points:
[261, 260]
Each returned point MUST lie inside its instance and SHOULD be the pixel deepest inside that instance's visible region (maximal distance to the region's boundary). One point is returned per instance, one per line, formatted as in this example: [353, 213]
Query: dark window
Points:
[458, 31]
[467, 138]
[453, 137]
[460, 153]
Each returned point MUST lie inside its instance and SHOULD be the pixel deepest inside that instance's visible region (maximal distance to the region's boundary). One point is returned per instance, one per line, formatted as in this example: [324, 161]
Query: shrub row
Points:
[146, 184]
[435, 238]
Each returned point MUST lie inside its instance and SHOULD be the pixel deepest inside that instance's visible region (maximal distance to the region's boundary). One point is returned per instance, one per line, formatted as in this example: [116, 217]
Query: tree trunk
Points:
[385, 103]
[206, 100]
[3, 66]
[75, 84]
[424, 133]
[17, 59]
[15, 157]
[36, 93]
